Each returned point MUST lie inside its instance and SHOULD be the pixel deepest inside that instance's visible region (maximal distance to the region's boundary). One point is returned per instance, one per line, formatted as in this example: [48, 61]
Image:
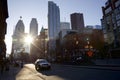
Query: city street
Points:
[68, 72]
[71, 39]
[62, 72]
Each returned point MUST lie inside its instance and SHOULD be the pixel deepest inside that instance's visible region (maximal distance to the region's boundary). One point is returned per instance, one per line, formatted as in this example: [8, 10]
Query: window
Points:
[118, 23]
[108, 10]
[119, 7]
[117, 3]
[113, 18]
[114, 26]
[117, 11]
[104, 31]
[119, 29]
[118, 17]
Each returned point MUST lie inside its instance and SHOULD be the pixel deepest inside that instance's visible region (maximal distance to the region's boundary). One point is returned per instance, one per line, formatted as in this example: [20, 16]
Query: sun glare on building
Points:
[28, 39]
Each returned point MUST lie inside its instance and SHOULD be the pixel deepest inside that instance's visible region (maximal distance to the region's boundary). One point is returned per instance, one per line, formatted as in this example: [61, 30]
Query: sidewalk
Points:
[10, 75]
[107, 62]
[28, 72]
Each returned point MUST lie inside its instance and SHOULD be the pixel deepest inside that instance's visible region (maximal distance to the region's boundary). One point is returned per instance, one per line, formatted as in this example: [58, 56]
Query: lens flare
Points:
[28, 39]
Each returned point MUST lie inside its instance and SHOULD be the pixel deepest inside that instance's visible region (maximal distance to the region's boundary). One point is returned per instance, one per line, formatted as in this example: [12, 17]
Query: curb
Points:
[108, 65]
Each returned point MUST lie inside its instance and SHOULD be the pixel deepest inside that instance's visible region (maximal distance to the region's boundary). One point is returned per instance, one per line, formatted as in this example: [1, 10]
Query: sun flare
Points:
[28, 39]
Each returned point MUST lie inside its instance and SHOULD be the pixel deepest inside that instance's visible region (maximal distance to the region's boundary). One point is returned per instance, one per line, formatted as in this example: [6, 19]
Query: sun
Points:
[28, 39]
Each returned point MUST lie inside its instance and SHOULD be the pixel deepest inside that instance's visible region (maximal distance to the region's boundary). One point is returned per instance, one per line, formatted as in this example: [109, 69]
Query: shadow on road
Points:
[11, 74]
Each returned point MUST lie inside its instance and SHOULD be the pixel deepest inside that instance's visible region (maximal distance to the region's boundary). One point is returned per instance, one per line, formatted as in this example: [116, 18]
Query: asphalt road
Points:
[60, 72]
[66, 72]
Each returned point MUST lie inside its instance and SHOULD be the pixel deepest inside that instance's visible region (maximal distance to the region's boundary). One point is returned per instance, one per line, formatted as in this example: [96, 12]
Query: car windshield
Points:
[43, 61]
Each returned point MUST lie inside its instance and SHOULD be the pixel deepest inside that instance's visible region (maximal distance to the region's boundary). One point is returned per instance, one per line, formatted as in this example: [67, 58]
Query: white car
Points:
[42, 64]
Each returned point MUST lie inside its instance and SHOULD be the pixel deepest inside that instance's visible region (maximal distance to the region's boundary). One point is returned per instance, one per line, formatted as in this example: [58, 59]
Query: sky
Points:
[38, 9]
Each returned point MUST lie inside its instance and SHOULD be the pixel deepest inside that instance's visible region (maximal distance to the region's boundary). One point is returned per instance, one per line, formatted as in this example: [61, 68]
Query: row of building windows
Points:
[117, 10]
[118, 23]
[111, 20]
[108, 10]
[108, 19]
[117, 13]
[117, 3]
[118, 17]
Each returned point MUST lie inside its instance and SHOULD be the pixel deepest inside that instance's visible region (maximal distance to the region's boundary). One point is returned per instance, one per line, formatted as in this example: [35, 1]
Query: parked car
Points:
[78, 60]
[42, 64]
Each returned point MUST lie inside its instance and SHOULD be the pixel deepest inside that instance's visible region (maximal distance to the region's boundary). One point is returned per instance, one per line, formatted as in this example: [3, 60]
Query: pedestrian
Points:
[7, 62]
[21, 64]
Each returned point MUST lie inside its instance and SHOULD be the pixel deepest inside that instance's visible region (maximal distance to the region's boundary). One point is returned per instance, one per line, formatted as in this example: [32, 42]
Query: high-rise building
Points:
[94, 26]
[64, 25]
[53, 19]
[34, 27]
[77, 21]
[53, 23]
[90, 26]
[111, 22]
[98, 27]
[18, 37]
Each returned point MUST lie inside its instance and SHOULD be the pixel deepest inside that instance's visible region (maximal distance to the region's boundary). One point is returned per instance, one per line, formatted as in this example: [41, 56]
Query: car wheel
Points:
[49, 68]
[37, 68]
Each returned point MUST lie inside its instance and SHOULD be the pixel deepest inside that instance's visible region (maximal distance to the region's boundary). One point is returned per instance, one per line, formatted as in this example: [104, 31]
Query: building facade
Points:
[98, 27]
[90, 26]
[18, 37]
[34, 28]
[76, 43]
[39, 48]
[53, 24]
[53, 19]
[77, 21]
[3, 24]
[111, 22]
[64, 25]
